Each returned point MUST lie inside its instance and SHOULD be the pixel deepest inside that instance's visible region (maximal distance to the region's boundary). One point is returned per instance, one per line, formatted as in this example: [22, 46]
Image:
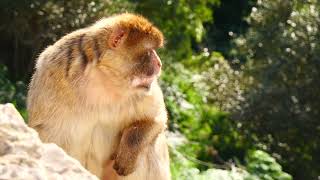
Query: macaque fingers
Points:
[134, 140]
[109, 172]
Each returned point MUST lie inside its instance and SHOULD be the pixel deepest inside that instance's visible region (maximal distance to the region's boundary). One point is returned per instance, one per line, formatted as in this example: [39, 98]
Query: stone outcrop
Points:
[24, 156]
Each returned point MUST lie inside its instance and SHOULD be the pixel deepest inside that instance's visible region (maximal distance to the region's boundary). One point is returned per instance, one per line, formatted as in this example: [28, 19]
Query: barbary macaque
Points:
[95, 94]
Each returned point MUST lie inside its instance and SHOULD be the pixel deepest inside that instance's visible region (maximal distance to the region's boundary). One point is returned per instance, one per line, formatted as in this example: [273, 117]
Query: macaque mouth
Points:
[143, 82]
[144, 86]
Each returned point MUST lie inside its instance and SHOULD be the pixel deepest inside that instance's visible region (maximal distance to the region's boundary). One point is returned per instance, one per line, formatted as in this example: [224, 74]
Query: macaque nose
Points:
[156, 61]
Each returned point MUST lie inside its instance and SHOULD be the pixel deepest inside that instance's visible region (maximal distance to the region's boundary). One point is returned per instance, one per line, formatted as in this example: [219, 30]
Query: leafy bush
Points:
[12, 92]
[27, 27]
[259, 165]
[262, 166]
[187, 94]
[181, 21]
[282, 52]
[221, 85]
[184, 166]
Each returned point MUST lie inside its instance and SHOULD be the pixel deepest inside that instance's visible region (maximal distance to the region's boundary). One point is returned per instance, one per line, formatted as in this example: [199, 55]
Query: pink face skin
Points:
[145, 81]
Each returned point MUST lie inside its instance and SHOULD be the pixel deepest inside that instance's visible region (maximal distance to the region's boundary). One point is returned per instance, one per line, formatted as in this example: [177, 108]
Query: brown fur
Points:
[139, 28]
[134, 138]
[82, 99]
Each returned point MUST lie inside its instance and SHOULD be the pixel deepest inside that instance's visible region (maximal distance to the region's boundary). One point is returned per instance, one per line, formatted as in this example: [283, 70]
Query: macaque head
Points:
[131, 54]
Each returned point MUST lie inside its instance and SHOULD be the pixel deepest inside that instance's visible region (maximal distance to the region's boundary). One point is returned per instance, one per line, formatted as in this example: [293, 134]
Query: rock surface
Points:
[24, 156]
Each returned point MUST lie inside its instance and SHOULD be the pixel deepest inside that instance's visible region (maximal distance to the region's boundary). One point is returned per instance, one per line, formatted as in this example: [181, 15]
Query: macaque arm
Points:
[134, 139]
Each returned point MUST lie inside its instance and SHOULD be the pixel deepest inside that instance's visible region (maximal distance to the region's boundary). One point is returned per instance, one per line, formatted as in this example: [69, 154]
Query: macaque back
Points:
[95, 94]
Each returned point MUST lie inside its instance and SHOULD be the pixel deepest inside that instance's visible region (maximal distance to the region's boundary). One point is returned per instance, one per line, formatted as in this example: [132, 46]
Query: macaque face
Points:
[146, 68]
[137, 64]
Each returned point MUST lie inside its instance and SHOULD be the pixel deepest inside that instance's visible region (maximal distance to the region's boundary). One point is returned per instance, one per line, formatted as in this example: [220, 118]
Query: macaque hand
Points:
[125, 162]
[134, 140]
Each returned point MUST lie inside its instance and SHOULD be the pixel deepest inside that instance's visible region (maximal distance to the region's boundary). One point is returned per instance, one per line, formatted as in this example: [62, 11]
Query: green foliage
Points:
[259, 165]
[184, 166]
[264, 167]
[181, 21]
[181, 171]
[187, 95]
[228, 21]
[221, 84]
[27, 27]
[282, 52]
[14, 93]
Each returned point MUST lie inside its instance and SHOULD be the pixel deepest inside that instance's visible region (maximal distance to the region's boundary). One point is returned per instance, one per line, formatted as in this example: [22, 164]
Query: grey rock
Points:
[24, 156]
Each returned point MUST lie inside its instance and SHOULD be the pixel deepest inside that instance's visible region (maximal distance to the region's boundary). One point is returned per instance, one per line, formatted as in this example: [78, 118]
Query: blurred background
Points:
[241, 78]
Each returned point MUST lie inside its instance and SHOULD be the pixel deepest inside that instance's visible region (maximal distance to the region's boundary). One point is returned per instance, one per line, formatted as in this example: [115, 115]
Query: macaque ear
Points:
[117, 37]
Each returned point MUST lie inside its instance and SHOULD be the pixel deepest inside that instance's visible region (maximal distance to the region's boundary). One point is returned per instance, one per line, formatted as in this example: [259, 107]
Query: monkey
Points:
[95, 93]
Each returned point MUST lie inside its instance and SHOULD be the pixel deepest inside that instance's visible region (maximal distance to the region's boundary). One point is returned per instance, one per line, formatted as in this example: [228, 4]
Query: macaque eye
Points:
[146, 56]
[148, 53]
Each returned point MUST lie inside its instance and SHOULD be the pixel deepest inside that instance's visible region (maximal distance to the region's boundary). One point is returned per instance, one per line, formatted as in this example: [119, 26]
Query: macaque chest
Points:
[98, 133]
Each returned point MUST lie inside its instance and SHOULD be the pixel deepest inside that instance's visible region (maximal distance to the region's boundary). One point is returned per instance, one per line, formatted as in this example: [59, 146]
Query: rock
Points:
[24, 156]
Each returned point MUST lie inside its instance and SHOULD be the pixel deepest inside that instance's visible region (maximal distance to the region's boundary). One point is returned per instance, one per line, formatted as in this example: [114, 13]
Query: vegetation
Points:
[240, 78]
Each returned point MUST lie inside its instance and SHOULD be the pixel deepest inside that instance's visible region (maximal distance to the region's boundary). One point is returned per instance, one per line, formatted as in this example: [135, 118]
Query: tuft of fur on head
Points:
[137, 27]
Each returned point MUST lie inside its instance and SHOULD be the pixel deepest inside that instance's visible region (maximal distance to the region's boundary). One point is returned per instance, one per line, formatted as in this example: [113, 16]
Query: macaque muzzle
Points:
[149, 72]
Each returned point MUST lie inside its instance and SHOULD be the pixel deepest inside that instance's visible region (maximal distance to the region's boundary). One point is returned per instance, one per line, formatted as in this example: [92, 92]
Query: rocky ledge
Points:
[24, 156]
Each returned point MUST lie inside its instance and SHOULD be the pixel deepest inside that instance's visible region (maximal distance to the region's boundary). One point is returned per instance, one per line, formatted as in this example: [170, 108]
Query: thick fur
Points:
[80, 98]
